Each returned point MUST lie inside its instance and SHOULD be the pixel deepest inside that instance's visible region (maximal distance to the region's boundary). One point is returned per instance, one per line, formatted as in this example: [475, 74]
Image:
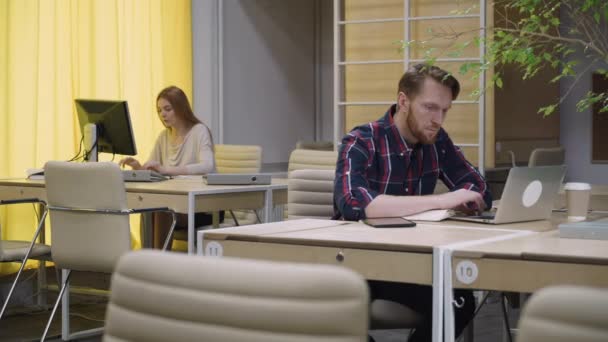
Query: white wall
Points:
[205, 97]
[575, 127]
[326, 17]
[267, 72]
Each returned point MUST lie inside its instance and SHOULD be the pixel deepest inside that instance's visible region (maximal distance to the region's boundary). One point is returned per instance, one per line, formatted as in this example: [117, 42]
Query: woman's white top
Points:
[195, 152]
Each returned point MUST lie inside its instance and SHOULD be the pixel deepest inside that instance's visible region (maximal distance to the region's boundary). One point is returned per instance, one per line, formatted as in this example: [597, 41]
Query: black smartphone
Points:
[389, 222]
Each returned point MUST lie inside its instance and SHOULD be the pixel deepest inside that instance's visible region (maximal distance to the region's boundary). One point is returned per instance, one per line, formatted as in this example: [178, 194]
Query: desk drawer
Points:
[21, 192]
[527, 275]
[371, 264]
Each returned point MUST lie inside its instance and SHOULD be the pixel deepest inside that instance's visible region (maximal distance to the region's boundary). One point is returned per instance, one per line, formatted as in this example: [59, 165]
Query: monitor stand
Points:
[90, 142]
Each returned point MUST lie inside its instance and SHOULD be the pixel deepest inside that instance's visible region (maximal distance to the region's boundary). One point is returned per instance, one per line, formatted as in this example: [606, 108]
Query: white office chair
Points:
[21, 251]
[312, 159]
[90, 230]
[198, 298]
[310, 195]
[239, 159]
[565, 313]
[233, 159]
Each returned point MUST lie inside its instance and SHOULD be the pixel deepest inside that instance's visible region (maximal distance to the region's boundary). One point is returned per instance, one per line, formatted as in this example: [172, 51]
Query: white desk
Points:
[408, 255]
[184, 195]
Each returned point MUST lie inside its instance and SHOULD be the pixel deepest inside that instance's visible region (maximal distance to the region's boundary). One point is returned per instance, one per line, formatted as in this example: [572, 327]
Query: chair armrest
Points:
[512, 154]
[22, 200]
[167, 209]
[149, 210]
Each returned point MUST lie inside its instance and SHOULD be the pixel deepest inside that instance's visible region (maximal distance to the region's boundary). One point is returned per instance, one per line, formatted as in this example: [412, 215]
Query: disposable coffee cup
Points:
[577, 200]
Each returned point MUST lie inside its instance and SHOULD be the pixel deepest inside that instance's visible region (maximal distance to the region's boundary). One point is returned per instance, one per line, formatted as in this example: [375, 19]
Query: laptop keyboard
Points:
[143, 176]
[484, 216]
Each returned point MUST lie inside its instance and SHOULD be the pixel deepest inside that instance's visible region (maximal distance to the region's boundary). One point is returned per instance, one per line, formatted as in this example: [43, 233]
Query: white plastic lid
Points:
[577, 186]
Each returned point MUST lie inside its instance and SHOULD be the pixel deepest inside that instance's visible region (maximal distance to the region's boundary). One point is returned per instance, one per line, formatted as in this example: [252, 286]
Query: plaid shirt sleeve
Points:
[457, 173]
[352, 192]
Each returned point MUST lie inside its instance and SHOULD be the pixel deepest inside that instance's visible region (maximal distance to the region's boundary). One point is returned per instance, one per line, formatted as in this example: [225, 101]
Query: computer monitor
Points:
[112, 127]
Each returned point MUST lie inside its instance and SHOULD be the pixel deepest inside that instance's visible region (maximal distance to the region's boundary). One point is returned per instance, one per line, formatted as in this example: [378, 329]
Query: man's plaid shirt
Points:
[374, 159]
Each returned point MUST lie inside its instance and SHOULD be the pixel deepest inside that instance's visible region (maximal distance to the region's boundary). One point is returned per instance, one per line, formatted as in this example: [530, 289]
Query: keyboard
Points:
[143, 176]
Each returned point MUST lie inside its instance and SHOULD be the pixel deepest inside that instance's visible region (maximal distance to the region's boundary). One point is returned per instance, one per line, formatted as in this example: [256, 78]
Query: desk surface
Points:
[392, 254]
[525, 264]
[341, 234]
[546, 246]
[183, 195]
[172, 186]
[173, 193]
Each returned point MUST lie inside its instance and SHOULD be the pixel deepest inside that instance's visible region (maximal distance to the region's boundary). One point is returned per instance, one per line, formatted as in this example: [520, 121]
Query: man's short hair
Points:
[412, 79]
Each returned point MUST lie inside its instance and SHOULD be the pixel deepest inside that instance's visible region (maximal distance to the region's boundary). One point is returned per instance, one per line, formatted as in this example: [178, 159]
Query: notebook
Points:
[237, 179]
[528, 195]
[35, 173]
[143, 176]
[431, 215]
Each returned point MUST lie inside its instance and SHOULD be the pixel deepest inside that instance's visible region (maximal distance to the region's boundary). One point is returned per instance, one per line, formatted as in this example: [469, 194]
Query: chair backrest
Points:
[310, 194]
[226, 299]
[87, 241]
[547, 156]
[238, 158]
[323, 145]
[565, 313]
[312, 159]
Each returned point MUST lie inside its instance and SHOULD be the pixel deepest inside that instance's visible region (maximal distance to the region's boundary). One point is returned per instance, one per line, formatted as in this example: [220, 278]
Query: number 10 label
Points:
[466, 272]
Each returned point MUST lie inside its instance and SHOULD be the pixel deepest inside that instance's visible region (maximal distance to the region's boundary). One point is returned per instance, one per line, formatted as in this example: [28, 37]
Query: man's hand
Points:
[130, 161]
[464, 200]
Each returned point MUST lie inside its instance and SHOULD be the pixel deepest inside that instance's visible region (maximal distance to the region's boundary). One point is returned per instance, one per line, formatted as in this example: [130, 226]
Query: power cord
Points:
[78, 156]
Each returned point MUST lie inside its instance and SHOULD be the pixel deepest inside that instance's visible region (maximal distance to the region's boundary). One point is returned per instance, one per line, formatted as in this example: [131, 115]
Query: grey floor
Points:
[88, 311]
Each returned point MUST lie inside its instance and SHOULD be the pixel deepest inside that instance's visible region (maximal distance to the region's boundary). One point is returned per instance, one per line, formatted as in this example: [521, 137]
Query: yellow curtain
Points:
[54, 51]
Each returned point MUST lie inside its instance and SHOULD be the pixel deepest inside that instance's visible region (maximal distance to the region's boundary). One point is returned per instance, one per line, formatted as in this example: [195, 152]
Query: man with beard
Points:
[389, 168]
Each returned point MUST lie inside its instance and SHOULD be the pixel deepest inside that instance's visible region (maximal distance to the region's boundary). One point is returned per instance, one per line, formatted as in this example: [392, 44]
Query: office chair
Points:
[543, 156]
[238, 158]
[547, 156]
[312, 159]
[233, 159]
[565, 313]
[229, 299]
[21, 251]
[310, 195]
[87, 204]
[323, 145]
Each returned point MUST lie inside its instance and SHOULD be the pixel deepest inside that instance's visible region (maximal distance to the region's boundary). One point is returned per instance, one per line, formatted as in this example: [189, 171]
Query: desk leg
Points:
[42, 282]
[191, 223]
[65, 307]
[267, 215]
[145, 230]
[438, 292]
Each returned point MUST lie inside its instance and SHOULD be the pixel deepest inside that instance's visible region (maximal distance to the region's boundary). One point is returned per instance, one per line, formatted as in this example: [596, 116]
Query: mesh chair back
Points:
[565, 313]
[81, 240]
[226, 299]
[238, 158]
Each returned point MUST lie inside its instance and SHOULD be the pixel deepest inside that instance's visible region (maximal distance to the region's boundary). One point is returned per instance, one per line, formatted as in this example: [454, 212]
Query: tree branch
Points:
[576, 41]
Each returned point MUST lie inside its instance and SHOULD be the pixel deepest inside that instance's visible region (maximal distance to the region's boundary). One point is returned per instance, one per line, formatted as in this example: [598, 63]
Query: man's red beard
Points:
[419, 132]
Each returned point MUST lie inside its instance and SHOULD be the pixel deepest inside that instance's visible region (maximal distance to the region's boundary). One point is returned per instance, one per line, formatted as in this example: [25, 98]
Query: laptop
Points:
[528, 195]
[142, 176]
[237, 179]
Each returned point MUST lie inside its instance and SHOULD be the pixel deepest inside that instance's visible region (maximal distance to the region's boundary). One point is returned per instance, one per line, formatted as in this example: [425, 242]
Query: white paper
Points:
[431, 215]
